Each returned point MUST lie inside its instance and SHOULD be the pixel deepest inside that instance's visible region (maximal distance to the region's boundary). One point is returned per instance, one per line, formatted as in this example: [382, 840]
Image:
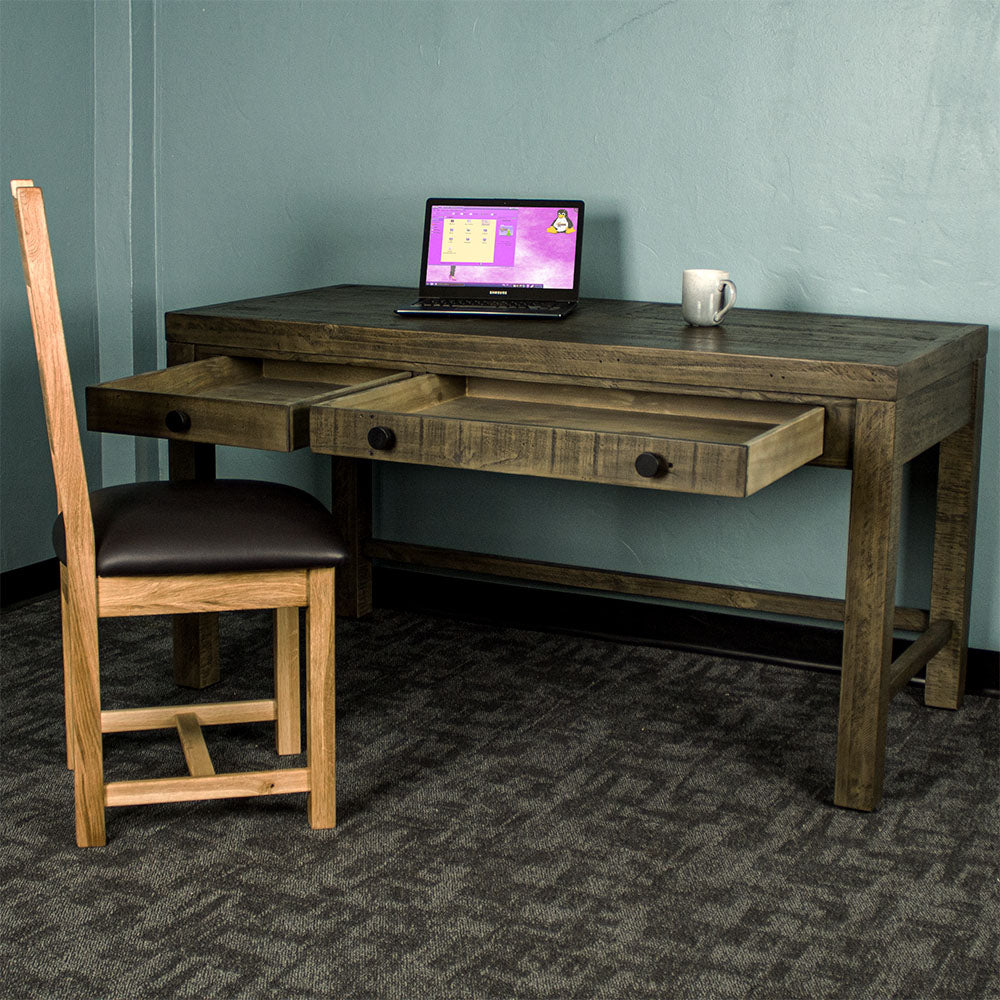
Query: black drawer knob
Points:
[382, 438]
[177, 421]
[649, 465]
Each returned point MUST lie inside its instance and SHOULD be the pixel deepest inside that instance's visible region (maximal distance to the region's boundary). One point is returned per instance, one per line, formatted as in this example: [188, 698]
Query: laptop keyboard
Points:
[495, 305]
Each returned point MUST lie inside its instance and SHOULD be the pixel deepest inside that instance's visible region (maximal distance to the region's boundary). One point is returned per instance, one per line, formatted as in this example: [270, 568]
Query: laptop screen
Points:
[522, 248]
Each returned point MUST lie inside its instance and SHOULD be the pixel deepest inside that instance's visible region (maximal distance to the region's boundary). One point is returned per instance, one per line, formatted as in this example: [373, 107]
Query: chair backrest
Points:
[53, 369]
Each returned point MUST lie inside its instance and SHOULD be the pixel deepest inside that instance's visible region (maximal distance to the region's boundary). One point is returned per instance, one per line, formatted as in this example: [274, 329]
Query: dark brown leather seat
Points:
[219, 526]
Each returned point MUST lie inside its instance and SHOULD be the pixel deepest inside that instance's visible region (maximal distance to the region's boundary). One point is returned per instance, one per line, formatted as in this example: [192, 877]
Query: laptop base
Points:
[519, 310]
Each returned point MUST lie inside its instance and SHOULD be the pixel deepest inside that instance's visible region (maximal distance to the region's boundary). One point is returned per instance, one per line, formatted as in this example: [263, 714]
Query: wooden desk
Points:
[715, 405]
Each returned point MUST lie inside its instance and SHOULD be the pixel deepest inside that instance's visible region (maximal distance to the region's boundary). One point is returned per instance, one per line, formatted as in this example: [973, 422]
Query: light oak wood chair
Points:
[172, 548]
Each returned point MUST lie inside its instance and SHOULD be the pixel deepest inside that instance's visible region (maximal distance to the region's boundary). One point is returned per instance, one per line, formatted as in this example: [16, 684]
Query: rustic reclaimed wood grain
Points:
[351, 504]
[872, 546]
[634, 584]
[724, 447]
[954, 538]
[755, 349]
[196, 637]
[561, 399]
[231, 401]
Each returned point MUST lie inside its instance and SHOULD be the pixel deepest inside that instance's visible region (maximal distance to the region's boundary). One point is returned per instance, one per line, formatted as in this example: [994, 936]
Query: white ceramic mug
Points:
[704, 296]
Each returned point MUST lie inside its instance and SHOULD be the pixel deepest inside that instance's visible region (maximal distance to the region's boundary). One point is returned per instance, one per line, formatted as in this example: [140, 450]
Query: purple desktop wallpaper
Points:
[492, 245]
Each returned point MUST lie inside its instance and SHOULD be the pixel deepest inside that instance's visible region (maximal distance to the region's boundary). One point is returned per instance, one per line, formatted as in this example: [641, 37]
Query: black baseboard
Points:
[18, 586]
[794, 644]
[812, 647]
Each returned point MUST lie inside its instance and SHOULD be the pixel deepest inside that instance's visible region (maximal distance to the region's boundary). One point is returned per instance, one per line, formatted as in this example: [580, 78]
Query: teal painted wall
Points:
[46, 134]
[838, 158]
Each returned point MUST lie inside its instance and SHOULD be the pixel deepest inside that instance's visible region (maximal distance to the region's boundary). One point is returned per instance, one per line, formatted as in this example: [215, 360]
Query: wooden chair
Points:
[180, 547]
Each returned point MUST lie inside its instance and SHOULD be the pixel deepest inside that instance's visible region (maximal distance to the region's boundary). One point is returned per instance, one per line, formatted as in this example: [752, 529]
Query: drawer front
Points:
[687, 444]
[221, 400]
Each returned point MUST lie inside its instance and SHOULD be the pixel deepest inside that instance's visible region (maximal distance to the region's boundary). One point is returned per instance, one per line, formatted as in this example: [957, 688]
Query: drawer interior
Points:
[250, 380]
[720, 445]
[249, 402]
[696, 418]
[599, 418]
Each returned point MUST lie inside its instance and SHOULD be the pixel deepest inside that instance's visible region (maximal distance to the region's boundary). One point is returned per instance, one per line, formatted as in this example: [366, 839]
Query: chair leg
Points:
[320, 707]
[67, 655]
[88, 755]
[288, 729]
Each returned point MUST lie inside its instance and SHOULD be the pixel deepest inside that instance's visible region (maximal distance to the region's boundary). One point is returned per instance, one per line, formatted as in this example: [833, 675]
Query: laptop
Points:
[500, 257]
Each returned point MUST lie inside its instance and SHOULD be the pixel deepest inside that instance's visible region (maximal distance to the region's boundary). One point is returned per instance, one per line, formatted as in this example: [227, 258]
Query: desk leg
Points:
[196, 637]
[352, 510]
[954, 540]
[872, 549]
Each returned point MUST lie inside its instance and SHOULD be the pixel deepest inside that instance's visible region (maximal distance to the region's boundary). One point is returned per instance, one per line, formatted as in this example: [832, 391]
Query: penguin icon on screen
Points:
[561, 224]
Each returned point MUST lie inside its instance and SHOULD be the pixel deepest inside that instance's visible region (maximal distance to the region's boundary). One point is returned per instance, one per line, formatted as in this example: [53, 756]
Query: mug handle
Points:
[728, 300]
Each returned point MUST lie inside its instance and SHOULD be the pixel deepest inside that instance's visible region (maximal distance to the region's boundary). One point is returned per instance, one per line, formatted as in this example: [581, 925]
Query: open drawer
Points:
[692, 444]
[249, 402]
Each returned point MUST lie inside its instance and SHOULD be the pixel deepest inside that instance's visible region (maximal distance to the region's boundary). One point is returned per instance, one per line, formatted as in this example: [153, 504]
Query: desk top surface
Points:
[607, 339]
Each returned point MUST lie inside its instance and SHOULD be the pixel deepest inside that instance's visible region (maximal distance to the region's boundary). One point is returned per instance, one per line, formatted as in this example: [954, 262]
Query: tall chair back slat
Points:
[53, 368]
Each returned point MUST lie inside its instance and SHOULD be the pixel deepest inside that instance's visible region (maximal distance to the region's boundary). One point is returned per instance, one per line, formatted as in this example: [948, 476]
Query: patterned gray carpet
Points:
[521, 815]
